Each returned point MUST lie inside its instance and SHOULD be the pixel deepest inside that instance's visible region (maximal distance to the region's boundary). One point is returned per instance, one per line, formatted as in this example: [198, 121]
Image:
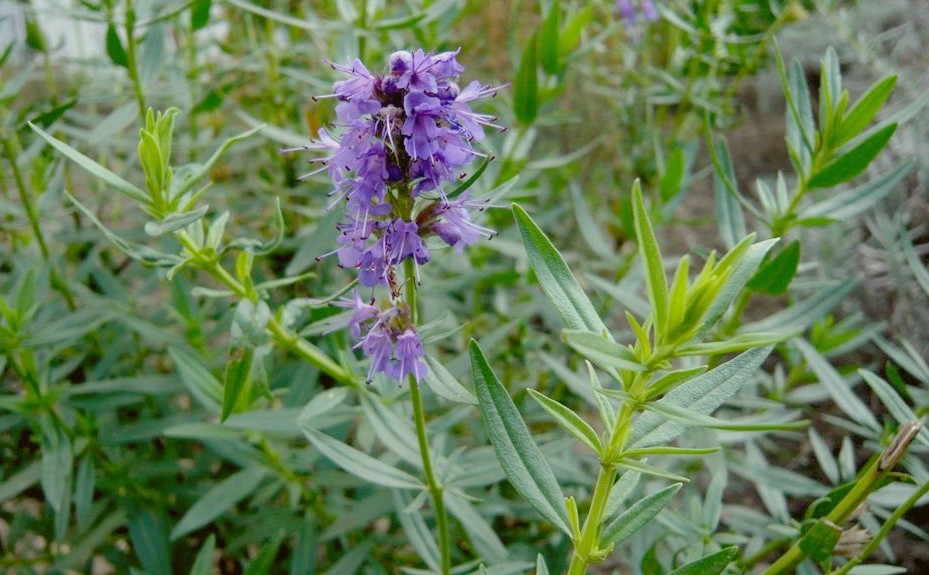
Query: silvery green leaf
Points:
[174, 222]
[569, 420]
[839, 389]
[601, 350]
[361, 464]
[522, 461]
[444, 384]
[249, 323]
[220, 498]
[638, 515]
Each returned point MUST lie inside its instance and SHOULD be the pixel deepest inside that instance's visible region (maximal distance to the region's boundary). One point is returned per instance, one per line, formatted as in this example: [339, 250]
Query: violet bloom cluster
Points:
[629, 10]
[402, 136]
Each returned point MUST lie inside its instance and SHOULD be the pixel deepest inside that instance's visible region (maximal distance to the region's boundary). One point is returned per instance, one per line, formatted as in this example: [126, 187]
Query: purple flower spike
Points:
[402, 135]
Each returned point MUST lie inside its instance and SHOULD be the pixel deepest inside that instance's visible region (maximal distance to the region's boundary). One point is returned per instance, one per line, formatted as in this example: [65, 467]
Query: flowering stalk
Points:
[403, 135]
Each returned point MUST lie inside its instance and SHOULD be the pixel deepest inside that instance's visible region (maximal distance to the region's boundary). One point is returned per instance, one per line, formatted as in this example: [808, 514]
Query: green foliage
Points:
[597, 390]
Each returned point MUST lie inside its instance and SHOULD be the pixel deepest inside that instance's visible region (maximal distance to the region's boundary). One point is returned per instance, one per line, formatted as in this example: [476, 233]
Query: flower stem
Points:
[419, 417]
[132, 61]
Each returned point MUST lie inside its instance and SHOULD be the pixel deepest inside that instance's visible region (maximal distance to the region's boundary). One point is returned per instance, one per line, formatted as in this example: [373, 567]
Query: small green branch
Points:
[285, 338]
[132, 61]
[32, 214]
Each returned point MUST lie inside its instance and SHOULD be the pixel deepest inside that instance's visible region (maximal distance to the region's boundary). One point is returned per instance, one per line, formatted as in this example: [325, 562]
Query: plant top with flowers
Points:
[403, 135]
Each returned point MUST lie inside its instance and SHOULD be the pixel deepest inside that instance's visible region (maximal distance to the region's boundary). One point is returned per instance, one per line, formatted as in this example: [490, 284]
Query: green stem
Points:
[285, 338]
[888, 525]
[870, 479]
[588, 544]
[419, 417]
[32, 214]
[132, 62]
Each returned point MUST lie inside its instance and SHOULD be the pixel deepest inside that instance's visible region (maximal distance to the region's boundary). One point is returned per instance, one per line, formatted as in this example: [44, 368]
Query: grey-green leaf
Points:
[638, 515]
[359, 463]
[601, 350]
[520, 457]
[712, 564]
[571, 421]
[93, 167]
[555, 278]
[219, 499]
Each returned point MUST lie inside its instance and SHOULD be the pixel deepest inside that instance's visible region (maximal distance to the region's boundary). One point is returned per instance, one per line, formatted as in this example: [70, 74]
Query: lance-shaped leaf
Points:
[854, 161]
[555, 278]
[571, 421]
[637, 516]
[712, 564]
[601, 350]
[222, 497]
[93, 167]
[655, 280]
[702, 394]
[520, 457]
[360, 464]
[837, 387]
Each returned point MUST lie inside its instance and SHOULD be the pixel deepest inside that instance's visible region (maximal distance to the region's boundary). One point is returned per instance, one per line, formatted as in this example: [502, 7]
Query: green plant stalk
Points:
[285, 338]
[29, 205]
[436, 490]
[869, 481]
[888, 525]
[132, 61]
[588, 545]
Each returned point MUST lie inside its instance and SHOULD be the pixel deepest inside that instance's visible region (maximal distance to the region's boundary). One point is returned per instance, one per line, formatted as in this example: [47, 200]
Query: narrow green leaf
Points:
[849, 203]
[655, 280]
[803, 314]
[702, 394]
[93, 167]
[175, 221]
[712, 564]
[237, 376]
[114, 47]
[526, 86]
[548, 40]
[201, 170]
[637, 516]
[149, 535]
[740, 342]
[590, 230]
[264, 562]
[219, 499]
[416, 531]
[745, 269]
[555, 278]
[838, 389]
[571, 421]
[360, 464]
[20, 481]
[729, 217]
[602, 351]
[854, 161]
[775, 274]
[762, 422]
[607, 413]
[203, 565]
[199, 381]
[672, 379]
[84, 485]
[894, 403]
[864, 110]
[666, 450]
[57, 462]
[444, 384]
[540, 567]
[480, 532]
[920, 273]
[520, 457]
[647, 469]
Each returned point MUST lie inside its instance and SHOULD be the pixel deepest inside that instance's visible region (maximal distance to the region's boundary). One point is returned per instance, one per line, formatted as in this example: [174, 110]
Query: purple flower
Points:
[627, 10]
[363, 312]
[451, 221]
[410, 355]
[420, 127]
